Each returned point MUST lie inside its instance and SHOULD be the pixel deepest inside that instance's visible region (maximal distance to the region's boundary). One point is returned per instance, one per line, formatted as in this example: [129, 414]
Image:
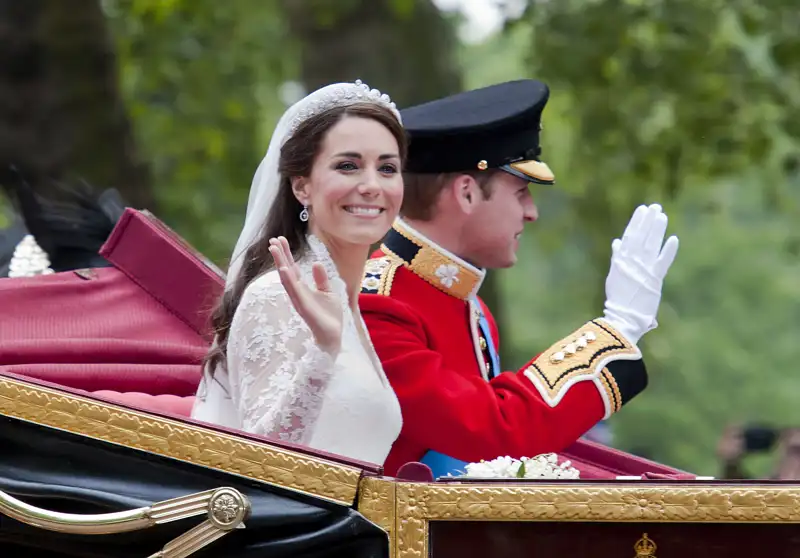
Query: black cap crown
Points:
[495, 127]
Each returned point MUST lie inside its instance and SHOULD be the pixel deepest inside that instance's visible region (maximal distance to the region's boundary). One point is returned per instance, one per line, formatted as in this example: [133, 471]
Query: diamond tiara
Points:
[342, 95]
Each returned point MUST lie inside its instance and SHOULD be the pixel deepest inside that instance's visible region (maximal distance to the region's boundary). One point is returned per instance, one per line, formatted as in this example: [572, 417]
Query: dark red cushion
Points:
[103, 332]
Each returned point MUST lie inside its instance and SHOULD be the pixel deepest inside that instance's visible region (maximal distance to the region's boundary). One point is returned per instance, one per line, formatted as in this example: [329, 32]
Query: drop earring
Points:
[304, 213]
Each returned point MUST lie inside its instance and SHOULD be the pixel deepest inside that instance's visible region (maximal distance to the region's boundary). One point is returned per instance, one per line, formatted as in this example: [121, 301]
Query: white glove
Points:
[638, 266]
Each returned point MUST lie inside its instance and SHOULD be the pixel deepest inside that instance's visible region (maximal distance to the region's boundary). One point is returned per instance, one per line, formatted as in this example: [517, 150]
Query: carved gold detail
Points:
[580, 357]
[228, 508]
[413, 515]
[645, 547]
[376, 502]
[181, 441]
[418, 504]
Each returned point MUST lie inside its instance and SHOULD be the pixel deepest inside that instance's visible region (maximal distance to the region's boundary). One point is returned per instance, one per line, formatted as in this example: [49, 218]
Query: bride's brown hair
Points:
[297, 159]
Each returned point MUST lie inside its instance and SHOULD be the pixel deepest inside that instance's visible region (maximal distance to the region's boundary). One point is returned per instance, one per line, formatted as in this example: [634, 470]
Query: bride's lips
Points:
[364, 211]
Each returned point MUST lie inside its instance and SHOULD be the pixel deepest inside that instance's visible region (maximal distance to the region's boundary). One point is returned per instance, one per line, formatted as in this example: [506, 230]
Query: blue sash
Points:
[442, 464]
[483, 323]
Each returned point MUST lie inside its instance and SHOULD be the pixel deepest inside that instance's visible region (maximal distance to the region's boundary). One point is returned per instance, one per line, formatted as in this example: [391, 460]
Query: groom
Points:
[472, 157]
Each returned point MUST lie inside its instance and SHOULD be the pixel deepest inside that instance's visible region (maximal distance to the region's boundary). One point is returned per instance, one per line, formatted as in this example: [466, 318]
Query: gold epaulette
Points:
[379, 275]
[590, 354]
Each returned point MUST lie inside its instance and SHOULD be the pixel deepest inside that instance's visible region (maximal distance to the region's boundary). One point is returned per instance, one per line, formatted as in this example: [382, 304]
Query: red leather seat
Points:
[135, 332]
[96, 331]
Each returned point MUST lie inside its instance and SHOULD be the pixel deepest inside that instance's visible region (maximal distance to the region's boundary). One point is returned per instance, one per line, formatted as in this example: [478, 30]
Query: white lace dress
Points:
[280, 384]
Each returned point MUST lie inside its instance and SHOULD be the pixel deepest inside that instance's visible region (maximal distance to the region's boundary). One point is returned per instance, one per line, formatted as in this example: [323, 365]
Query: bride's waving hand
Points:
[320, 307]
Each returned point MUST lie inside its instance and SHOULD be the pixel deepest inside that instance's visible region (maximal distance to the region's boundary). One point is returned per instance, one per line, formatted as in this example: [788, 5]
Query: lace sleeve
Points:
[278, 373]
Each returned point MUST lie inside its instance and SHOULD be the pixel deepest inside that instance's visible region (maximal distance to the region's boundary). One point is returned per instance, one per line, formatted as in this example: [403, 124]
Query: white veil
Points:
[213, 403]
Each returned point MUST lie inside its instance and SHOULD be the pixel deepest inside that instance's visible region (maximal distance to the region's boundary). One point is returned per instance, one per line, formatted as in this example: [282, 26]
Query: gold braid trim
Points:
[581, 356]
[379, 275]
[436, 266]
[609, 385]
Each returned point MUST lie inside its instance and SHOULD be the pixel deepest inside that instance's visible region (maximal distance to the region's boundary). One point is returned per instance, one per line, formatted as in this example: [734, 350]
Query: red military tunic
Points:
[419, 304]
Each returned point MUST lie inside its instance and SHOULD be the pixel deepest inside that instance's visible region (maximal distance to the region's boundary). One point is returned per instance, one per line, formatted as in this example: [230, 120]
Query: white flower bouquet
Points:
[544, 466]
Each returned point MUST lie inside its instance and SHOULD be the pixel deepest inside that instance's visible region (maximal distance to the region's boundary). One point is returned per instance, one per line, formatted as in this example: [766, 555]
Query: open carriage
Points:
[98, 455]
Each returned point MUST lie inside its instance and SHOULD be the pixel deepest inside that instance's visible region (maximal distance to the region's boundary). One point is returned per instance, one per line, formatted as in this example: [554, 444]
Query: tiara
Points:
[343, 95]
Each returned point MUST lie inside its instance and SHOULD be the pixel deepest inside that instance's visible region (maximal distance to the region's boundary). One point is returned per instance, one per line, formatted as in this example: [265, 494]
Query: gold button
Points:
[483, 165]
[482, 343]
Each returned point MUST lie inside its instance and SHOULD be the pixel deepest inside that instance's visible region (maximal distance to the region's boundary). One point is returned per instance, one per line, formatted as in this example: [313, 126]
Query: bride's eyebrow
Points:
[356, 155]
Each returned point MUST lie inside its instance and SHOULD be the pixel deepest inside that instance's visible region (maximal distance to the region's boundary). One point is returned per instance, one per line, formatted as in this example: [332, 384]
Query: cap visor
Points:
[533, 171]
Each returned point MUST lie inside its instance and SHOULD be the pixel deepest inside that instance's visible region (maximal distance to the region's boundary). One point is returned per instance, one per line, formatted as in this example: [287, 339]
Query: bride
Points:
[292, 358]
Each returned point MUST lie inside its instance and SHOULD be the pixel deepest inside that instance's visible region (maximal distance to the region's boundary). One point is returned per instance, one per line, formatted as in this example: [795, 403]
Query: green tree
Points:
[661, 94]
[61, 113]
[201, 80]
[386, 43]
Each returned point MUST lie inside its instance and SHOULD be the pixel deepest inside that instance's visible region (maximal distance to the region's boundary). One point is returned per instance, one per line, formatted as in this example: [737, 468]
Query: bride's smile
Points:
[364, 211]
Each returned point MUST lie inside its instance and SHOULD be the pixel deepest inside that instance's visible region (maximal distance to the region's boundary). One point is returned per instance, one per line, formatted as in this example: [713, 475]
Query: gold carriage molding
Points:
[176, 439]
[609, 519]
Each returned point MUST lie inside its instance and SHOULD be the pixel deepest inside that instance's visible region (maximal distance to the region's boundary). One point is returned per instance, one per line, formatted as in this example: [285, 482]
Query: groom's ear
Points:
[300, 189]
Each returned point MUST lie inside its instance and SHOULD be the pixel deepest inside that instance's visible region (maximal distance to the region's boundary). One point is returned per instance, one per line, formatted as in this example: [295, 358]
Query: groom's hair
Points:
[421, 192]
[297, 158]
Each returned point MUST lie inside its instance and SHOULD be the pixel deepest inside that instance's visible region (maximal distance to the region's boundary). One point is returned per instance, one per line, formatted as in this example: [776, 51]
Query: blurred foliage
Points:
[61, 113]
[660, 94]
[388, 48]
[201, 81]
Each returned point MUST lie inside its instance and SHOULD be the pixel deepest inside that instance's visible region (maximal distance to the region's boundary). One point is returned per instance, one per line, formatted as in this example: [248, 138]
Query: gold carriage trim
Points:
[419, 504]
[377, 502]
[579, 357]
[379, 275]
[182, 441]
